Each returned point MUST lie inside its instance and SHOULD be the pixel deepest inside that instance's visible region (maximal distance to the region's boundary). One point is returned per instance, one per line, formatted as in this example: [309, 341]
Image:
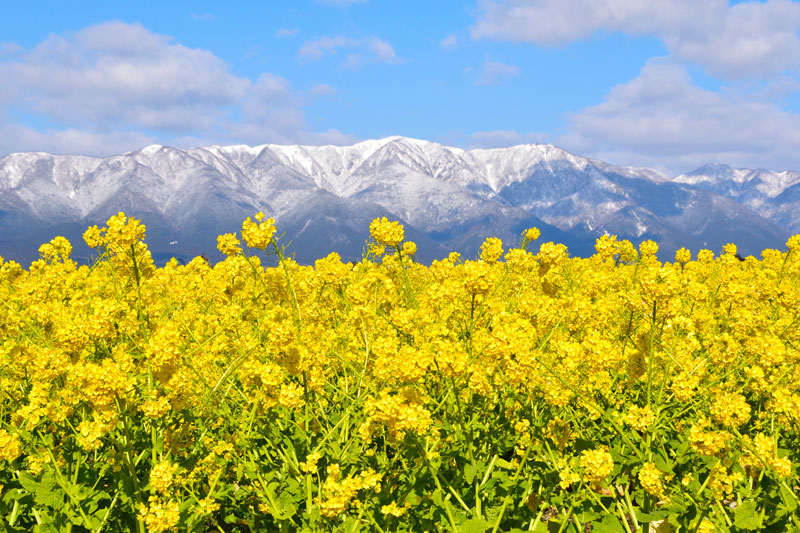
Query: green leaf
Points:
[747, 516]
[28, 483]
[609, 524]
[788, 498]
[45, 492]
[541, 527]
[474, 525]
[502, 463]
[469, 473]
[286, 507]
[437, 498]
[646, 518]
[412, 498]
[662, 463]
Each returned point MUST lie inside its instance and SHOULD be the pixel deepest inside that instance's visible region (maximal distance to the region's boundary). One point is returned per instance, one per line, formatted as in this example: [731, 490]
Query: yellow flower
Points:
[309, 466]
[706, 526]
[707, 442]
[338, 494]
[782, 466]
[651, 479]
[730, 409]
[606, 246]
[639, 418]
[398, 413]
[10, 446]
[648, 248]
[566, 474]
[386, 232]
[162, 475]
[393, 509]
[160, 515]
[93, 237]
[259, 233]
[597, 464]
[123, 232]
[477, 277]
[705, 256]
[228, 244]
[683, 255]
[531, 234]
[723, 483]
[491, 250]
[793, 243]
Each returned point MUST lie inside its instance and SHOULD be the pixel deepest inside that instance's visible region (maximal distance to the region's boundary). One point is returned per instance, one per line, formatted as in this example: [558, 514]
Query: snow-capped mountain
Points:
[774, 195]
[323, 198]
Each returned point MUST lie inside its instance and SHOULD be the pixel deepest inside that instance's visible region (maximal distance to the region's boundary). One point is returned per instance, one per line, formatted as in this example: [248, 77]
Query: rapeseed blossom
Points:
[386, 232]
[386, 393]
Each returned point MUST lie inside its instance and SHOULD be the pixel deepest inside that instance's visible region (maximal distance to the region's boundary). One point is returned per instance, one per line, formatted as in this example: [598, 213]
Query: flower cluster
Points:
[256, 233]
[523, 386]
[386, 232]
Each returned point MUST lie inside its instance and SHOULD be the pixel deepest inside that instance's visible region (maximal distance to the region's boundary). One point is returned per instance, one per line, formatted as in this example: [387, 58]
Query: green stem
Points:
[508, 496]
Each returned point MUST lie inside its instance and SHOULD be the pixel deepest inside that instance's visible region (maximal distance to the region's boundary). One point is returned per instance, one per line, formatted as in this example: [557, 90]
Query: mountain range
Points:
[323, 198]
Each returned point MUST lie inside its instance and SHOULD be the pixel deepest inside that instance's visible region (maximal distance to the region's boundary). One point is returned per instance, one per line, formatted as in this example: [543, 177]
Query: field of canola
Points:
[520, 391]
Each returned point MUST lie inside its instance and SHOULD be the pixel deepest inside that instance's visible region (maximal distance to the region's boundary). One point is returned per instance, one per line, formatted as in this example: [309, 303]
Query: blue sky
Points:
[671, 84]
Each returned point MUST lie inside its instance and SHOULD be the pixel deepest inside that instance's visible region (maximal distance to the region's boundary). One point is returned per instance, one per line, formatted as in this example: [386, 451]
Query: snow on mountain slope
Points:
[765, 191]
[736, 181]
[452, 196]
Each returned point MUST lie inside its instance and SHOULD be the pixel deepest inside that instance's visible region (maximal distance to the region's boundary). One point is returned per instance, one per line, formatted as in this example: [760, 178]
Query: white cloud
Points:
[117, 72]
[748, 39]
[286, 32]
[321, 46]
[323, 89]
[662, 119]
[495, 73]
[19, 138]
[207, 17]
[382, 50]
[107, 83]
[362, 51]
[10, 49]
[449, 43]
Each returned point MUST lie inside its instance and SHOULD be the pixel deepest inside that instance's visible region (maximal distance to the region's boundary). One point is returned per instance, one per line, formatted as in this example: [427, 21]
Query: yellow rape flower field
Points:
[520, 391]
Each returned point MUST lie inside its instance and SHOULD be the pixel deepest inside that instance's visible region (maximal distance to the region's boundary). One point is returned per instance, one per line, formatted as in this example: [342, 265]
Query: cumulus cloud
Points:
[286, 32]
[361, 51]
[105, 84]
[323, 89]
[495, 73]
[10, 49]
[20, 138]
[449, 43]
[662, 119]
[748, 39]
[117, 72]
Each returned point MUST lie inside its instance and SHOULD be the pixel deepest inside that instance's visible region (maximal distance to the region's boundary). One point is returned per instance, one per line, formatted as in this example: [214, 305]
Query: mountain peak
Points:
[453, 196]
[712, 169]
[150, 149]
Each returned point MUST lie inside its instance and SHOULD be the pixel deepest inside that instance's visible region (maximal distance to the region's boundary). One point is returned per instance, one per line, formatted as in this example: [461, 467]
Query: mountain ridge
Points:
[434, 189]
